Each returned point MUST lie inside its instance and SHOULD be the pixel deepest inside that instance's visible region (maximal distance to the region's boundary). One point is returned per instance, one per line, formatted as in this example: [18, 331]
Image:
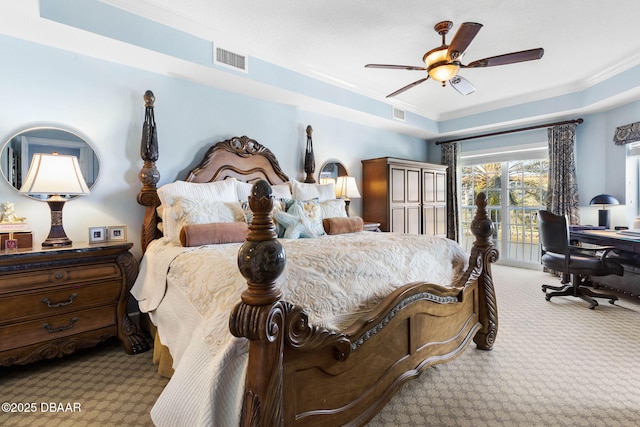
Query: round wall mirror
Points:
[18, 150]
[332, 169]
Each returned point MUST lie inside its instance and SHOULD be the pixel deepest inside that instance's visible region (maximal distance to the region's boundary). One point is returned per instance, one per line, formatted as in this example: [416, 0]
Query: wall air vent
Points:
[398, 114]
[230, 59]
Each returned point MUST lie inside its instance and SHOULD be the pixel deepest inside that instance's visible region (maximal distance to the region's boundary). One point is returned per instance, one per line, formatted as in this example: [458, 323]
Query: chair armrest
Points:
[593, 249]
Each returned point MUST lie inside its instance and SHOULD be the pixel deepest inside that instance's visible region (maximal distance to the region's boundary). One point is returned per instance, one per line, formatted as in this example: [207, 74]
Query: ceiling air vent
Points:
[398, 114]
[230, 59]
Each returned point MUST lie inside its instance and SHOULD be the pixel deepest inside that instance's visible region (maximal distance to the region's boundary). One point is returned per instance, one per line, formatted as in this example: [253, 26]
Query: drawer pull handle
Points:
[51, 330]
[59, 304]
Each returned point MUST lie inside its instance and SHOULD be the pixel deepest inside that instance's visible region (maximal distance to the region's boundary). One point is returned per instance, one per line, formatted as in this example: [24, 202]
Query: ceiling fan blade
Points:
[462, 39]
[462, 85]
[508, 58]
[407, 87]
[395, 67]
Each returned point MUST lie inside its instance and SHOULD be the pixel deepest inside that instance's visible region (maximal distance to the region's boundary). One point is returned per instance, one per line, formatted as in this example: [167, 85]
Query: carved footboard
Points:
[302, 374]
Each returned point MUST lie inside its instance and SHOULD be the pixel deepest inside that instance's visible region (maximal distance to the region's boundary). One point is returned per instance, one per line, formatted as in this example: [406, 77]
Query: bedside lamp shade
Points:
[603, 214]
[347, 189]
[55, 175]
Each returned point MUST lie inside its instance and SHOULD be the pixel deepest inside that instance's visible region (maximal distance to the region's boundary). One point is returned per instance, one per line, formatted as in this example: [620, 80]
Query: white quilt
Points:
[336, 278]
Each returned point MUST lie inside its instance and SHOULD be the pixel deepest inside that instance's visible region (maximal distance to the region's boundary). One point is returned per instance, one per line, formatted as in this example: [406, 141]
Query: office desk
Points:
[627, 253]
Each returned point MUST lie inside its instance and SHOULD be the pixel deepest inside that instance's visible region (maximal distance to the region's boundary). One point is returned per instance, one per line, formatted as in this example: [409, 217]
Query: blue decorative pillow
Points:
[302, 219]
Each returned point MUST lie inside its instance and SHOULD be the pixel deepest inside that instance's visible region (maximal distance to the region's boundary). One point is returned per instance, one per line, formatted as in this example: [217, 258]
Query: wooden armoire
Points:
[405, 196]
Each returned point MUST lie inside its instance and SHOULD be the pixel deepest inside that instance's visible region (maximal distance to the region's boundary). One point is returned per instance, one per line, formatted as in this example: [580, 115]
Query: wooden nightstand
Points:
[56, 301]
[371, 226]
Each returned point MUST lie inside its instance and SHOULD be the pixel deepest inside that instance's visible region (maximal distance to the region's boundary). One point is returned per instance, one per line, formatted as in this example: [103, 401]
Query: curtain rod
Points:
[578, 121]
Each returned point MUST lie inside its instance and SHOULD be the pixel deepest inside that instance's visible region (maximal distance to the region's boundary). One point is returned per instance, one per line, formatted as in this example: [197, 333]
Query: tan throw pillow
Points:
[343, 225]
[213, 233]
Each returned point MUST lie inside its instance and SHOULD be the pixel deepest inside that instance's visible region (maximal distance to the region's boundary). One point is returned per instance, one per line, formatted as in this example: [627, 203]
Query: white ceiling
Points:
[585, 42]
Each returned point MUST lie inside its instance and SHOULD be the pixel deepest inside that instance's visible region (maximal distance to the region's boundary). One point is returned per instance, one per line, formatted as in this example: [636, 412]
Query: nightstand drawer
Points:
[57, 300]
[53, 327]
[57, 276]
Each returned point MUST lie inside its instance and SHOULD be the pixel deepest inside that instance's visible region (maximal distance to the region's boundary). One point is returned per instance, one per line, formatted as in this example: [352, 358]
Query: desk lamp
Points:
[54, 175]
[603, 214]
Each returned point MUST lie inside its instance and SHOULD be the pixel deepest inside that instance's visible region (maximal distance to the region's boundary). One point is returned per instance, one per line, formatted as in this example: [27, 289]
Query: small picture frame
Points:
[97, 234]
[11, 244]
[117, 233]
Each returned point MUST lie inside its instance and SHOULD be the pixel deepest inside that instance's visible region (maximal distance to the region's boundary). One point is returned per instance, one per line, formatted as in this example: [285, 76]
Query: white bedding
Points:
[336, 278]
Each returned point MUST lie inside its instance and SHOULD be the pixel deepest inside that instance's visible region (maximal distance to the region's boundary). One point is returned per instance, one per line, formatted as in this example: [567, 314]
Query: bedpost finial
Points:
[149, 98]
[482, 227]
[261, 259]
[309, 158]
[261, 204]
[149, 143]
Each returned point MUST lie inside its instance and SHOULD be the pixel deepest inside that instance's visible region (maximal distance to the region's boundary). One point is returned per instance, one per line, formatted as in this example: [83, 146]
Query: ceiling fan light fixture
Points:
[443, 73]
[438, 66]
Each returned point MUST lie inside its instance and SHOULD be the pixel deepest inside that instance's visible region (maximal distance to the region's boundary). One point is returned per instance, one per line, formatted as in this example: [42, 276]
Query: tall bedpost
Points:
[149, 175]
[483, 254]
[309, 158]
[260, 316]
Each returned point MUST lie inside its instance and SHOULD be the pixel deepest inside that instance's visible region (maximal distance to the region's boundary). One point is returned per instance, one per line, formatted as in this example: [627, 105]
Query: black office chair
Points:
[577, 262]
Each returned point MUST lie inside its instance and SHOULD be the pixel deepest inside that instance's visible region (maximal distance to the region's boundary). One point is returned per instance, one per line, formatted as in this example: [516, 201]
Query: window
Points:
[516, 189]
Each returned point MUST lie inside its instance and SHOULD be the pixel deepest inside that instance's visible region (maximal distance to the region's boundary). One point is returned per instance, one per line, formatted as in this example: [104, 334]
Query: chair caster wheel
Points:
[547, 297]
[612, 301]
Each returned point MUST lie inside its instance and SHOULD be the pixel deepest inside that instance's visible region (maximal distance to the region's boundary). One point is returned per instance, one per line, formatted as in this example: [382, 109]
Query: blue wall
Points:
[104, 101]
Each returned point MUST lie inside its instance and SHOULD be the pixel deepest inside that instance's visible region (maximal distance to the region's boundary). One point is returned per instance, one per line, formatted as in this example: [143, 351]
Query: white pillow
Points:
[303, 191]
[327, 191]
[243, 189]
[221, 191]
[282, 191]
[333, 209]
[204, 211]
[278, 191]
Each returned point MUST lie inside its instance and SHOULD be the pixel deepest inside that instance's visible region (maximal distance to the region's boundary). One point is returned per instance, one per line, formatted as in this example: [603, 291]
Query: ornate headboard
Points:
[240, 157]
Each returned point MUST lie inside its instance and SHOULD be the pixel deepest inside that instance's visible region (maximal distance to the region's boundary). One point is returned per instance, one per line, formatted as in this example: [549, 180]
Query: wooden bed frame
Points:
[301, 374]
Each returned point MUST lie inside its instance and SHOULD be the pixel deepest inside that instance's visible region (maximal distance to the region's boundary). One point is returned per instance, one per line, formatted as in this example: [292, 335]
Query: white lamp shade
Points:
[346, 187]
[325, 181]
[54, 174]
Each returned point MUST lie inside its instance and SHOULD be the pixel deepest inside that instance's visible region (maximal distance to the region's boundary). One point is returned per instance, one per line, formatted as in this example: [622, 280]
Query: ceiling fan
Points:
[443, 63]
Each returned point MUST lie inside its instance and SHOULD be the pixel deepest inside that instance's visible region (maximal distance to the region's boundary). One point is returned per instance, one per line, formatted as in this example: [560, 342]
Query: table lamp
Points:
[347, 188]
[54, 175]
[603, 214]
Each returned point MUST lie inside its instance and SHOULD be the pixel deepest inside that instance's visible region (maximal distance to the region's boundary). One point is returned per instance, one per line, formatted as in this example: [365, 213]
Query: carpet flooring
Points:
[554, 363]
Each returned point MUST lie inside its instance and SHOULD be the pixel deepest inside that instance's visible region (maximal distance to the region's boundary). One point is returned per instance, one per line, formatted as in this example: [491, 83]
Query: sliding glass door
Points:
[516, 190]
